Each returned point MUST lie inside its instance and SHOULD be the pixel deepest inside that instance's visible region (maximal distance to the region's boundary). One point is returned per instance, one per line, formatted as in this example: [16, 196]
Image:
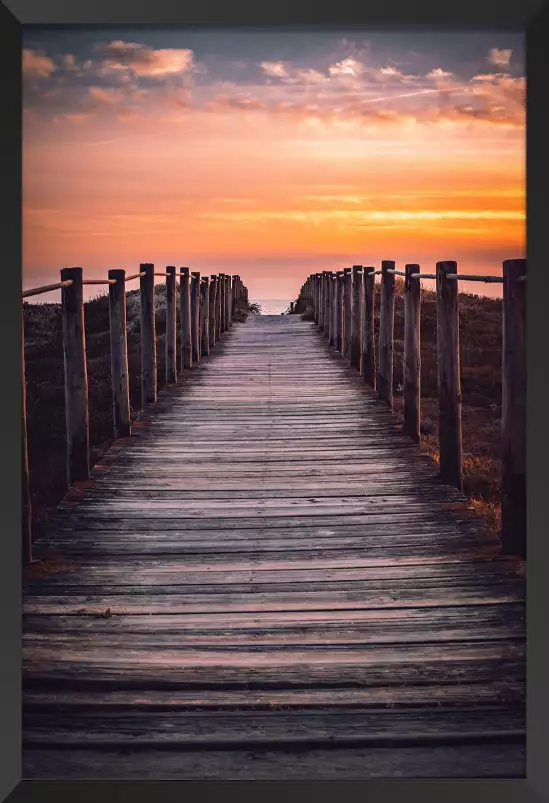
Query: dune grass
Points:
[480, 356]
[45, 386]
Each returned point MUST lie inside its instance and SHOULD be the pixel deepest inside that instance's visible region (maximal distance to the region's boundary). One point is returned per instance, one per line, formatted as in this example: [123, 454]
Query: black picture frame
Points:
[530, 15]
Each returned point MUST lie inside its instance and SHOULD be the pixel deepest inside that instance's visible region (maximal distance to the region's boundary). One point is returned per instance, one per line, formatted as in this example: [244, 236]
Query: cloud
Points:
[392, 73]
[348, 66]
[37, 64]
[499, 58]
[437, 74]
[274, 69]
[146, 62]
[111, 96]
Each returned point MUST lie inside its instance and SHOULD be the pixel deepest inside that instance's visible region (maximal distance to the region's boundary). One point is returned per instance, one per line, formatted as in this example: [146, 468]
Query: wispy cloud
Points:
[146, 62]
[37, 64]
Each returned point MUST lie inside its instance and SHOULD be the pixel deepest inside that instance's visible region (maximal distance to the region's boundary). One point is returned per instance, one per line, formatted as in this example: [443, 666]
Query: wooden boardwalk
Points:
[268, 581]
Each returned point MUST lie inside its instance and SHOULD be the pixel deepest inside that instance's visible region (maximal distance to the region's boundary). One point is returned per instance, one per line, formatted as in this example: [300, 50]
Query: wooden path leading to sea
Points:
[267, 580]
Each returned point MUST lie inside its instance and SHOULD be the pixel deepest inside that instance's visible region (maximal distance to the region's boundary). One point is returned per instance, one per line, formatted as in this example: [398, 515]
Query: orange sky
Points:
[200, 153]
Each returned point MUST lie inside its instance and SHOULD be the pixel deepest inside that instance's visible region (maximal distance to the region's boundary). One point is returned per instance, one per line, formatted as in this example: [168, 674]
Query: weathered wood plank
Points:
[267, 537]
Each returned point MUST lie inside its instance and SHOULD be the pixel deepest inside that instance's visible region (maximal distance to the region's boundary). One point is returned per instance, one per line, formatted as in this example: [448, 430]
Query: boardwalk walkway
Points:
[267, 581]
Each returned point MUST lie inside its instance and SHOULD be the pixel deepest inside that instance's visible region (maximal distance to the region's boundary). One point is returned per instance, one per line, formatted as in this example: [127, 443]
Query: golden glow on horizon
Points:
[270, 194]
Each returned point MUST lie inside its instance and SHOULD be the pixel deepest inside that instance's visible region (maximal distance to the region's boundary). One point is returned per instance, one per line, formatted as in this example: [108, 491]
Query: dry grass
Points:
[45, 386]
[480, 353]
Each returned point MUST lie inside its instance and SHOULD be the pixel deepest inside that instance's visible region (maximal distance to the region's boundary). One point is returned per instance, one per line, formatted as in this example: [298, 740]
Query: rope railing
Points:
[208, 308]
[342, 306]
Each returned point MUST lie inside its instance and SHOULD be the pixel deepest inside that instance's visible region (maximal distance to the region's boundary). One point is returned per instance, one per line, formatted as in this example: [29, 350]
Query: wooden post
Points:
[412, 353]
[326, 312]
[449, 392]
[228, 297]
[171, 336]
[205, 304]
[346, 334]
[76, 377]
[368, 328]
[513, 418]
[119, 355]
[331, 331]
[212, 302]
[195, 315]
[356, 317]
[148, 336]
[234, 297]
[386, 333]
[221, 303]
[185, 318]
[318, 300]
[337, 310]
[26, 530]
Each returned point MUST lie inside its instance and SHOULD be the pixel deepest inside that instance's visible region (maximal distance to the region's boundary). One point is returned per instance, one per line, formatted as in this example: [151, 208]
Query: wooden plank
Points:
[275, 729]
[285, 547]
[491, 760]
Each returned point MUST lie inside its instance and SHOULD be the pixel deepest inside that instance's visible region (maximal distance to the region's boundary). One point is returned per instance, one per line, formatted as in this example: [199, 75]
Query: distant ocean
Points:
[272, 306]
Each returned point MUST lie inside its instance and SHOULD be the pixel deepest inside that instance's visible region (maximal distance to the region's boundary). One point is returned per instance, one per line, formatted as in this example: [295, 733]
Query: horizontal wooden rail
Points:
[217, 301]
[342, 305]
[466, 278]
[46, 288]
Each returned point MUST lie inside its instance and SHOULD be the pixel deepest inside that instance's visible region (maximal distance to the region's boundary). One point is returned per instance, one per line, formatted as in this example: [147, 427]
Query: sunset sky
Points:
[271, 154]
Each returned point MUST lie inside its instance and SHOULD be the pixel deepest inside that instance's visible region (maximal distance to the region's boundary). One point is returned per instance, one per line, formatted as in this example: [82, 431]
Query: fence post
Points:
[356, 317]
[220, 302]
[195, 315]
[229, 301]
[326, 311]
[339, 311]
[212, 300]
[331, 294]
[317, 299]
[171, 337]
[386, 333]
[76, 377]
[449, 392]
[185, 318]
[513, 417]
[346, 334]
[205, 304]
[412, 353]
[368, 328]
[148, 336]
[234, 297]
[26, 545]
[119, 355]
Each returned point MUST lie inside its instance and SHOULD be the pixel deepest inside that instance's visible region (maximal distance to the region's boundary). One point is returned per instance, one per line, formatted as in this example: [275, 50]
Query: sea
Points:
[272, 306]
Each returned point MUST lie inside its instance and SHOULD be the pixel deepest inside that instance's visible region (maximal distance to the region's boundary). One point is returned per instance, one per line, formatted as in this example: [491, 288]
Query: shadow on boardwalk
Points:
[268, 567]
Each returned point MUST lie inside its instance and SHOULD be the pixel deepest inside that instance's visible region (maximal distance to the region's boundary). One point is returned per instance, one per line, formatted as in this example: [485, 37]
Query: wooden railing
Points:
[342, 304]
[208, 306]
